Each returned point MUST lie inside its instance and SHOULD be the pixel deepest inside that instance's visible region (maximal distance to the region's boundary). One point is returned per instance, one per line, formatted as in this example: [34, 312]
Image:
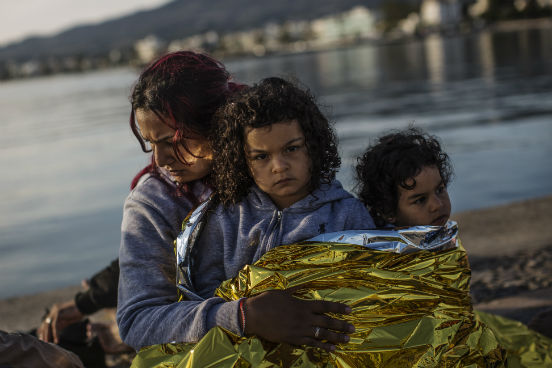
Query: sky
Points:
[22, 18]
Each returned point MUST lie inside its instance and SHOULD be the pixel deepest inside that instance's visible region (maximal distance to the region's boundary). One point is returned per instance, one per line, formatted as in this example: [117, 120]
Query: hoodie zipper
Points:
[273, 232]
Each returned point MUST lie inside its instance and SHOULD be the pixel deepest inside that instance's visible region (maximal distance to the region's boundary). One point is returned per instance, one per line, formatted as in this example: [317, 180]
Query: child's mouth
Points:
[283, 181]
[440, 221]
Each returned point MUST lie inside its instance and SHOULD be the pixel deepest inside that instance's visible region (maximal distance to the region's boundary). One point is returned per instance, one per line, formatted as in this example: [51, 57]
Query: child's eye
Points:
[259, 157]
[420, 200]
[292, 148]
[441, 189]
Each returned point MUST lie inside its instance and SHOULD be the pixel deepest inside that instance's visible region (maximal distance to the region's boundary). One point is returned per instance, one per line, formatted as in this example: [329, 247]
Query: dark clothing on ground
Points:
[102, 292]
[19, 350]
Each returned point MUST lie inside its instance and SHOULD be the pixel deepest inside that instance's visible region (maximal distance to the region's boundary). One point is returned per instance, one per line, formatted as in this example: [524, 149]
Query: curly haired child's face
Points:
[160, 137]
[427, 204]
[278, 158]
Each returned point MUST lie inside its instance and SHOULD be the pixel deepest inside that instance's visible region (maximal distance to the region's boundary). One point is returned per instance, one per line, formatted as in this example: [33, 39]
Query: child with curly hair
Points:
[275, 159]
[403, 180]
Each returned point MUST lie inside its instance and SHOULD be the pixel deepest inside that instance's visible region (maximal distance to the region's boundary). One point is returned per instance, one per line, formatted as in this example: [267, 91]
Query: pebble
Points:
[501, 276]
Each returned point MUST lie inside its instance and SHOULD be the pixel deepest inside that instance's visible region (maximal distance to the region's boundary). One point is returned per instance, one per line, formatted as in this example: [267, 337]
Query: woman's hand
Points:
[60, 316]
[279, 317]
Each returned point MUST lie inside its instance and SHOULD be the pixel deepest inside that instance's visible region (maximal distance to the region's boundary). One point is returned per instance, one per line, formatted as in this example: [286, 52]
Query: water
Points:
[67, 154]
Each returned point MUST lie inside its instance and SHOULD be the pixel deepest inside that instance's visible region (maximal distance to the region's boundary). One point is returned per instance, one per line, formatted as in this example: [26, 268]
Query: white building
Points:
[355, 24]
[148, 48]
[441, 13]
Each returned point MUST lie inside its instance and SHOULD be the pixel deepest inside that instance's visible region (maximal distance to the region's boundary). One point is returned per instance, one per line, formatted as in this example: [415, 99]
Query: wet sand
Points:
[486, 233]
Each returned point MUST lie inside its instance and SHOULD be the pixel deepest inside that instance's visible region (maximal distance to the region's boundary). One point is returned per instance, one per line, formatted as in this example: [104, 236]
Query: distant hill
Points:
[177, 19]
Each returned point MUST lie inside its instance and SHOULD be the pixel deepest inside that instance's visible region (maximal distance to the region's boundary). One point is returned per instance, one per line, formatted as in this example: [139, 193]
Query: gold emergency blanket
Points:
[409, 309]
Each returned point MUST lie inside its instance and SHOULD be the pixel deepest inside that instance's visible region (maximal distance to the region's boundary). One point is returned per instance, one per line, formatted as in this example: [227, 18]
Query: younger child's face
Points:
[427, 204]
[279, 161]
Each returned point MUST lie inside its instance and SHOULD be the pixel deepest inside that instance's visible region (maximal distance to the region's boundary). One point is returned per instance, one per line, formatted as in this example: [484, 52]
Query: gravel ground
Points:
[497, 277]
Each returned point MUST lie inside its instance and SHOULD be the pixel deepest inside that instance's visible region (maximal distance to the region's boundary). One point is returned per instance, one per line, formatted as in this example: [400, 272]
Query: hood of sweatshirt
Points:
[326, 193]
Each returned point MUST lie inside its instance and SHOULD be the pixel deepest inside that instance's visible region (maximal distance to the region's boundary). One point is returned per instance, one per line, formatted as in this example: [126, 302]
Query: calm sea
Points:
[67, 155]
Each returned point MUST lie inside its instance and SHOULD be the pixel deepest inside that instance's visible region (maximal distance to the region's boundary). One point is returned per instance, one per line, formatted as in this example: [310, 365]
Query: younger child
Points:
[275, 158]
[403, 180]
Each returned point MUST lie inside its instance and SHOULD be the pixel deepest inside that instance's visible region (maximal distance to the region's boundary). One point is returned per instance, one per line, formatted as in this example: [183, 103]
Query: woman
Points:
[177, 93]
[172, 106]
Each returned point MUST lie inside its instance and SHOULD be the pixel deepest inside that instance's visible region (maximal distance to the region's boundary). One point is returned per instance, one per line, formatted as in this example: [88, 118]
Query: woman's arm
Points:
[148, 312]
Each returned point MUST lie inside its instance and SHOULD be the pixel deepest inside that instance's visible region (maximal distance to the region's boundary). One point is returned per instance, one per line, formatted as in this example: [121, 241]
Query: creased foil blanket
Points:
[409, 292]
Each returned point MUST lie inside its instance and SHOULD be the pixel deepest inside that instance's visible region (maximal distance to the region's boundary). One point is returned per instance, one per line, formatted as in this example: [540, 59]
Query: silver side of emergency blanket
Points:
[398, 240]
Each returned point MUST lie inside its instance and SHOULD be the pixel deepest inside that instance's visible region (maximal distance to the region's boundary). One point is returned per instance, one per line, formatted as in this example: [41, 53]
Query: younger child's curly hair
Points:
[271, 101]
[391, 162]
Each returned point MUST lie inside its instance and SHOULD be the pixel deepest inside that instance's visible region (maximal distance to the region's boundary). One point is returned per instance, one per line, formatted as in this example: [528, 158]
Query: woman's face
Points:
[159, 136]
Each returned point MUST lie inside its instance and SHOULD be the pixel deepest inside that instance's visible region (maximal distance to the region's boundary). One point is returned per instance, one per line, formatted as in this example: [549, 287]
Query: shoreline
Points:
[489, 235]
[504, 25]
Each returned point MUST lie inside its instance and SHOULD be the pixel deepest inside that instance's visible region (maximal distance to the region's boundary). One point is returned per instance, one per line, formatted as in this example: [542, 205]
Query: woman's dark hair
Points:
[183, 89]
[271, 101]
[395, 159]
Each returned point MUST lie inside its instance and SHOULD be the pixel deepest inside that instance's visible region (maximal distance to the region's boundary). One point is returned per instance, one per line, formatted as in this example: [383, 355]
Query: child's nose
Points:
[436, 203]
[279, 164]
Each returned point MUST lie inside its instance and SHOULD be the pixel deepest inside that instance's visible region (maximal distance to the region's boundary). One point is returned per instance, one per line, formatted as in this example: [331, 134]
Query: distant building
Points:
[326, 30]
[478, 8]
[204, 42]
[441, 13]
[358, 23]
[30, 68]
[410, 24]
[148, 48]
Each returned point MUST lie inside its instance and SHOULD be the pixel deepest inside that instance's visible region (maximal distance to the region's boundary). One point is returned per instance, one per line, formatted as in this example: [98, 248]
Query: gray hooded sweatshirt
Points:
[152, 219]
[233, 237]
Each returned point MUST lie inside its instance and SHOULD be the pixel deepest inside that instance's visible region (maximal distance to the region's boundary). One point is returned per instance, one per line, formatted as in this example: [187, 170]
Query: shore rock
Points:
[497, 277]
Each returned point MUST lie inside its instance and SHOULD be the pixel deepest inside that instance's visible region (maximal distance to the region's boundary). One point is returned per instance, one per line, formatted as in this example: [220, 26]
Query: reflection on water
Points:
[68, 156]
[435, 56]
[486, 58]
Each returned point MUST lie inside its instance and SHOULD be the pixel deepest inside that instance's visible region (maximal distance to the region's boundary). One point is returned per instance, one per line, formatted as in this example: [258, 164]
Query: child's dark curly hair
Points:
[271, 101]
[390, 163]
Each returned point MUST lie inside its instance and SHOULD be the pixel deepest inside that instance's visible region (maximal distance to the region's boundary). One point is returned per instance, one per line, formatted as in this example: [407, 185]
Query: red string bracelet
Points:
[242, 314]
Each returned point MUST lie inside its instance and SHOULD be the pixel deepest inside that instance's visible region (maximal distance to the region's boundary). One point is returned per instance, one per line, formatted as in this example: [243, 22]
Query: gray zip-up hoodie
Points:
[152, 219]
[232, 238]
[240, 235]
